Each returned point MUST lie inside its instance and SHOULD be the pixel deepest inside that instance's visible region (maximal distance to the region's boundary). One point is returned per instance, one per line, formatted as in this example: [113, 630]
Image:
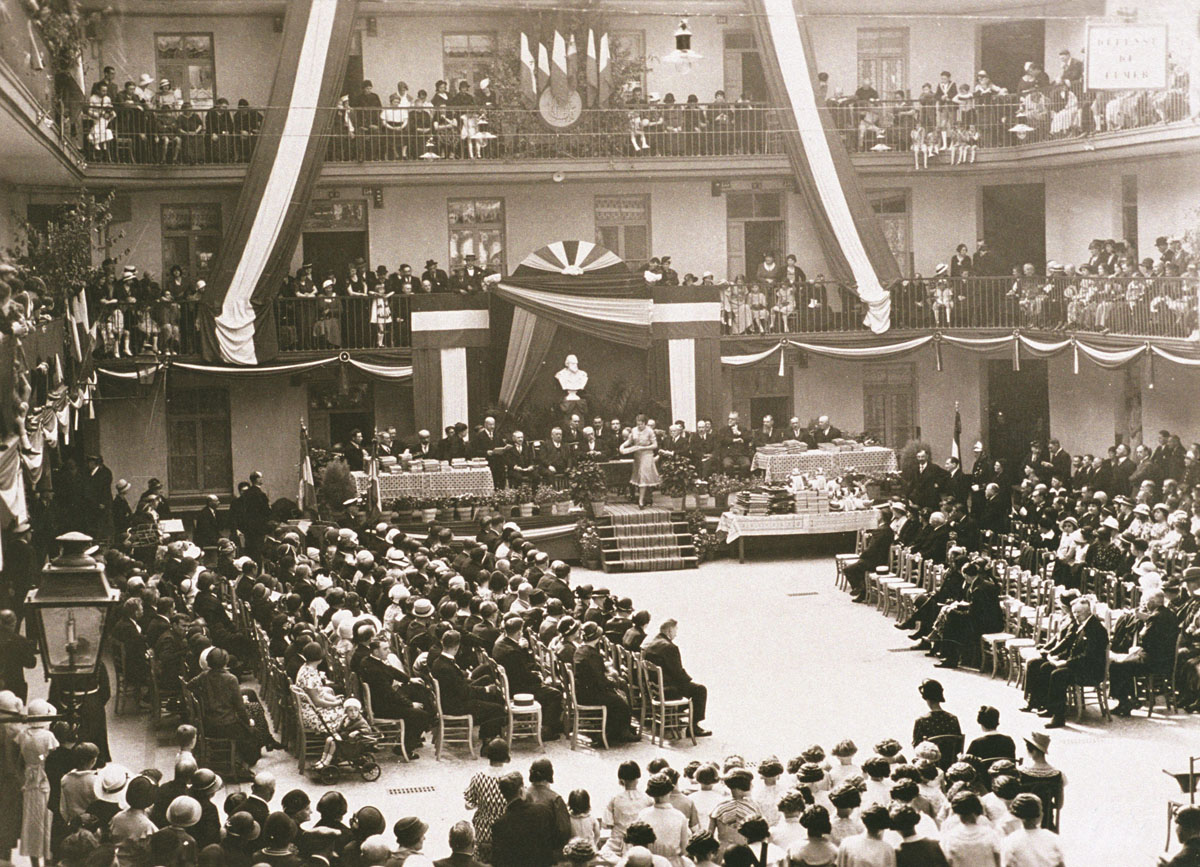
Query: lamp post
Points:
[71, 605]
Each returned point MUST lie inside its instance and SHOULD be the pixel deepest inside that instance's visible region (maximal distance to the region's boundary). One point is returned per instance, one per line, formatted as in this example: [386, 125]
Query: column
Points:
[444, 327]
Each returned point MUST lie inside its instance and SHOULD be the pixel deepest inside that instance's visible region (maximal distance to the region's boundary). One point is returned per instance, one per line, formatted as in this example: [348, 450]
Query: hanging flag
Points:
[543, 68]
[573, 76]
[528, 88]
[307, 495]
[592, 79]
[559, 85]
[954, 452]
[603, 73]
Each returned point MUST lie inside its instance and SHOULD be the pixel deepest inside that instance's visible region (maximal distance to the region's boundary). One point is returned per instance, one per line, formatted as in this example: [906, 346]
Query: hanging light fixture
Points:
[683, 56]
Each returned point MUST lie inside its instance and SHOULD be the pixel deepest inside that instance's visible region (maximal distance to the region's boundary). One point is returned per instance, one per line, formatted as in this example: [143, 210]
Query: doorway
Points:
[762, 237]
[1014, 224]
[333, 251]
[755, 227]
[1005, 48]
[1018, 410]
[779, 408]
[342, 423]
[352, 82]
[743, 67]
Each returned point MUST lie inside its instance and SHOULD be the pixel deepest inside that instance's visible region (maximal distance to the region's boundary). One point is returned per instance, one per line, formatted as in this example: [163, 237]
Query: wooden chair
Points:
[635, 688]
[586, 719]
[523, 720]
[219, 754]
[1099, 690]
[665, 714]
[309, 743]
[122, 688]
[840, 561]
[391, 731]
[992, 644]
[451, 728]
[950, 746]
[1151, 685]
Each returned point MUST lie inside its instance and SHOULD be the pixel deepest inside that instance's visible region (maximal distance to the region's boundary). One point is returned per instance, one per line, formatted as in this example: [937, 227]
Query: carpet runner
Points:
[644, 540]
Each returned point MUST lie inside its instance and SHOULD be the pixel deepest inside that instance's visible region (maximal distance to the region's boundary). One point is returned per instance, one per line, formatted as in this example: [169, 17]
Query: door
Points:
[779, 408]
[341, 424]
[762, 237]
[1018, 409]
[754, 80]
[352, 83]
[333, 251]
[1005, 48]
[1014, 224]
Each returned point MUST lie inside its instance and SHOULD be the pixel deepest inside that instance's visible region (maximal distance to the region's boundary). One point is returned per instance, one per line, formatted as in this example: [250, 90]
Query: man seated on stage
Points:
[825, 432]
[874, 554]
[734, 447]
[663, 652]
[704, 448]
[590, 446]
[555, 458]
[766, 434]
[677, 443]
[422, 446]
[520, 464]
[798, 432]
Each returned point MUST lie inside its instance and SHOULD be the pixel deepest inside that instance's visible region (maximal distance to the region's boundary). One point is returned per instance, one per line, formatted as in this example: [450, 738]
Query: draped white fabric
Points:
[382, 371]
[454, 385]
[681, 360]
[627, 311]
[831, 351]
[519, 341]
[235, 324]
[793, 66]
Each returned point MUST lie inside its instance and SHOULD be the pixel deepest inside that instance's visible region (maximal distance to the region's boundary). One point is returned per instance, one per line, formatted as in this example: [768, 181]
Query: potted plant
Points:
[464, 507]
[445, 509]
[587, 485]
[562, 503]
[721, 486]
[703, 540]
[428, 511]
[678, 477]
[704, 497]
[524, 499]
[502, 501]
[588, 539]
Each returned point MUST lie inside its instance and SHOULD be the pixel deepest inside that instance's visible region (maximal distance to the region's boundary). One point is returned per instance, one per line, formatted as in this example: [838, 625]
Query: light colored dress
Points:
[645, 473]
[670, 832]
[309, 678]
[35, 744]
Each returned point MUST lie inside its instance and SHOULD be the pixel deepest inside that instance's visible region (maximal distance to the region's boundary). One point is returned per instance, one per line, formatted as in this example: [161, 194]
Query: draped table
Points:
[454, 482]
[872, 461]
[738, 527]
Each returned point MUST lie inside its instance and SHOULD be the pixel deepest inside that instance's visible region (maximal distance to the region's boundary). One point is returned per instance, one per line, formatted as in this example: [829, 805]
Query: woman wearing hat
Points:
[324, 707]
[937, 721]
[108, 788]
[670, 826]
[1039, 777]
[35, 743]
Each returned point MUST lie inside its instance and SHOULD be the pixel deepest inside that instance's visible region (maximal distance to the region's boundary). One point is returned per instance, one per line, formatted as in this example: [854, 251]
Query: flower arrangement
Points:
[544, 495]
[678, 475]
[588, 539]
[721, 485]
[586, 482]
[707, 546]
[523, 494]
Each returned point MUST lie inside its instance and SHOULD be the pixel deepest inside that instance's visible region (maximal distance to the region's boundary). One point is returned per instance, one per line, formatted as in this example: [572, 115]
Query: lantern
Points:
[683, 56]
[71, 605]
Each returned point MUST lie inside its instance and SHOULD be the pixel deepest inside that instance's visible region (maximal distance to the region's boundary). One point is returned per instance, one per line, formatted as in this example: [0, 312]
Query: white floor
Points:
[790, 661]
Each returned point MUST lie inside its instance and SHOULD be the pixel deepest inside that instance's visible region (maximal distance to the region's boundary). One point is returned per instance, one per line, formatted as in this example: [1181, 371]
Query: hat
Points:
[122, 486]
[1122, 500]
[898, 506]
[1188, 817]
[145, 80]
[941, 270]
[1039, 741]
[141, 793]
[624, 604]
[111, 782]
[1162, 506]
[422, 608]
[1192, 573]
[184, 812]
[429, 263]
[591, 631]
[242, 826]
[740, 777]
[206, 782]
[164, 82]
[658, 785]
[1142, 509]
[1069, 519]
[409, 830]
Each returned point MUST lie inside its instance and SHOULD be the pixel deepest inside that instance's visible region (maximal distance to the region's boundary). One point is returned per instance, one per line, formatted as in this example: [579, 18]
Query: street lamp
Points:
[71, 604]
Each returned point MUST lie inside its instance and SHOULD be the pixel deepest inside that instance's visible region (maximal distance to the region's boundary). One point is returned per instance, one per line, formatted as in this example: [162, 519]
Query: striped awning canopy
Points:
[578, 268]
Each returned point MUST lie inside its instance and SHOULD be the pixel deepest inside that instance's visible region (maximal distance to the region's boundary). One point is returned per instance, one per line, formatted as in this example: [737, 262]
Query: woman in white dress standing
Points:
[641, 444]
[36, 742]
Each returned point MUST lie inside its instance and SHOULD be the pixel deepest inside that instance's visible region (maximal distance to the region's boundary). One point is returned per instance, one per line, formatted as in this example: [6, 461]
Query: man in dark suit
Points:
[1084, 664]
[677, 442]
[905, 524]
[462, 847]
[590, 446]
[556, 584]
[766, 434]
[957, 484]
[1153, 651]
[606, 440]
[207, 530]
[486, 444]
[981, 615]
[435, 275]
[934, 538]
[1070, 73]
[97, 495]
[664, 652]
[356, 455]
[995, 511]
[511, 651]
[455, 444]
[825, 432]
[524, 834]
[734, 447]
[874, 554]
[984, 261]
[422, 446]
[1059, 463]
[473, 275]
[924, 482]
[520, 466]
[798, 432]
[392, 696]
[406, 282]
[704, 448]
[963, 527]
[1122, 469]
[593, 687]
[573, 432]
[17, 653]
[555, 458]
[256, 514]
[459, 696]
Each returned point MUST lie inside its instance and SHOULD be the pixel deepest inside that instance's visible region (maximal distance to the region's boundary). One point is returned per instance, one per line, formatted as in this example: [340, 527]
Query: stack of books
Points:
[811, 502]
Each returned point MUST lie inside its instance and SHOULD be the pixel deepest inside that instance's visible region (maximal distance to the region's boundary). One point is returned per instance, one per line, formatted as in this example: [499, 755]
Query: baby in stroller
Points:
[351, 741]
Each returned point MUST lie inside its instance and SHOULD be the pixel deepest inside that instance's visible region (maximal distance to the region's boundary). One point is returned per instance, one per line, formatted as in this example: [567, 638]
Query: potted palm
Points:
[587, 486]
[678, 476]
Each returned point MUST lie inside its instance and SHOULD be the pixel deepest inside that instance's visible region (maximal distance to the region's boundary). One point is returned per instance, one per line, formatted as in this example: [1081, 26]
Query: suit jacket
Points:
[524, 836]
[356, 456]
[908, 531]
[958, 485]
[519, 665]
[452, 681]
[1089, 651]
[925, 488]
[519, 457]
[984, 601]
[1060, 462]
[555, 588]
[731, 445]
[764, 437]
[802, 435]
[993, 514]
[681, 447]
[207, 529]
[829, 434]
[97, 489]
[437, 277]
[932, 544]
[420, 450]
[256, 510]
[482, 443]
[664, 653]
[558, 456]
[878, 548]
[1121, 471]
[1158, 640]
[591, 681]
[704, 445]
[452, 447]
[597, 449]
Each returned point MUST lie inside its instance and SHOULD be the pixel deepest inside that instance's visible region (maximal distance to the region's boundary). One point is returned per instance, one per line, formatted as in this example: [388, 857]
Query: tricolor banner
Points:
[237, 309]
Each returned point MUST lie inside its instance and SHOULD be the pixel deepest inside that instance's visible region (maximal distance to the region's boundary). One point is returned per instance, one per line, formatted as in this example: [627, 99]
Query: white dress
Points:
[645, 473]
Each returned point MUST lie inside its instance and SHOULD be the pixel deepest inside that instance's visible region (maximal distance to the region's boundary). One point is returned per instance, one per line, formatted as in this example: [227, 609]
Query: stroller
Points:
[352, 754]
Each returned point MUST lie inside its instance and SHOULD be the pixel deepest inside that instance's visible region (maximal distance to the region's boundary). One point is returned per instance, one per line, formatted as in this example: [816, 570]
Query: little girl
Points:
[583, 823]
[351, 730]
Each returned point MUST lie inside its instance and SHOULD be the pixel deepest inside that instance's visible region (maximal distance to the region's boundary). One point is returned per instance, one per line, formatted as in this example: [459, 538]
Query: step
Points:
[652, 565]
[645, 551]
[667, 539]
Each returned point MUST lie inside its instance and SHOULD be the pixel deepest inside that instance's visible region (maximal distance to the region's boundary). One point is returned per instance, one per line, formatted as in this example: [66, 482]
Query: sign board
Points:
[1126, 57]
[332, 215]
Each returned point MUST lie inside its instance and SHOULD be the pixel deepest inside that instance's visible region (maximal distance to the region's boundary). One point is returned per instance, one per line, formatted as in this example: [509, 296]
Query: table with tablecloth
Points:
[454, 482]
[872, 461]
[738, 527]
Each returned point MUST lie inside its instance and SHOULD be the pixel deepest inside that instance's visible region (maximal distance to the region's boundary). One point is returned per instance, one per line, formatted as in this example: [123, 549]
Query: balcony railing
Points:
[132, 135]
[1126, 306]
[957, 130]
[301, 325]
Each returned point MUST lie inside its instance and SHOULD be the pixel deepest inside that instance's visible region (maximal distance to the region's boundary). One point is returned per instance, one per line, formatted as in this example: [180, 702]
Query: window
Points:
[883, 59]
[467, 56]
[186, 60]
[892, 209]
[623, 226]
[753, 206]
[627, 50]
[199, 457]
[477, 228]
[890, 403]
[1129, 212]
[191, 236]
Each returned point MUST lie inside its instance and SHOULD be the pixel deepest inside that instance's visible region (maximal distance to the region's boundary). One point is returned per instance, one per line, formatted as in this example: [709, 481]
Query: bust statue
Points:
[571, 378]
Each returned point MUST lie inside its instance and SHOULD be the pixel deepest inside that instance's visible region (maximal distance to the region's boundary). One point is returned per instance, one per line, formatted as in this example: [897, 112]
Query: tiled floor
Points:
[789, 661]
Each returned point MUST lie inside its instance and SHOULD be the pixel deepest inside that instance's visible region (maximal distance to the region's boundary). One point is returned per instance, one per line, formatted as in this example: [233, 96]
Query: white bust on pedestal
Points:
[572, 379]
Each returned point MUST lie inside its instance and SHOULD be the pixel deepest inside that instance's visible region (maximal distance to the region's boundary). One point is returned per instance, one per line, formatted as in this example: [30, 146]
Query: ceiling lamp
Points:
[683, 56]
